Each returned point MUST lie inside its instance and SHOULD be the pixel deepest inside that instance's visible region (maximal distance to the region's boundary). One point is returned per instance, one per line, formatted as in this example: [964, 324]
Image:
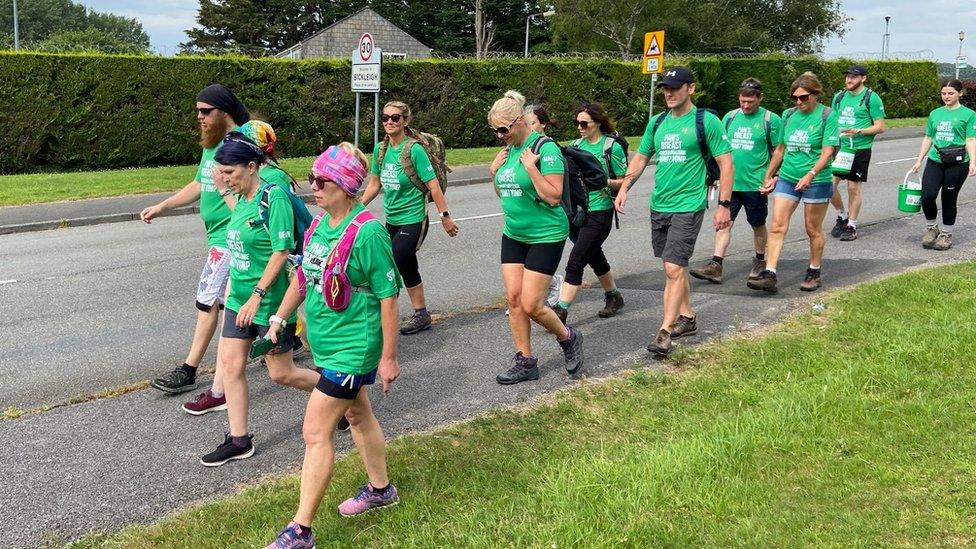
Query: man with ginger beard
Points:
[219, 112]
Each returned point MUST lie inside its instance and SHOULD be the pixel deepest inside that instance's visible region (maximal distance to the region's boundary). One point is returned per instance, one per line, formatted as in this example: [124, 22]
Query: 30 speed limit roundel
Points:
[366, 46]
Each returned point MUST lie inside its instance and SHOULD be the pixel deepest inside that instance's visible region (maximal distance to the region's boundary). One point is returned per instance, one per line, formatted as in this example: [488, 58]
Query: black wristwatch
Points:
[445, 214]
[259, 292]
[726, 203]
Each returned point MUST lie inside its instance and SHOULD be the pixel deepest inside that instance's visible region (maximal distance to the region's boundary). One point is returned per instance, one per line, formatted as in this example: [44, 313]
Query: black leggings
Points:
[406, 241]
[947, 178]
[588, 247]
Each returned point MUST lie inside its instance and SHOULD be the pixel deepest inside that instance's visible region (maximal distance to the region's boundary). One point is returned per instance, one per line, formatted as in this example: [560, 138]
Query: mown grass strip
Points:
[848, 428]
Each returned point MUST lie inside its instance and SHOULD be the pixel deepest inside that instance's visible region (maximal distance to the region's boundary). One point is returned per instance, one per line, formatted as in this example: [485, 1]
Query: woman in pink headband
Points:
[353, 340]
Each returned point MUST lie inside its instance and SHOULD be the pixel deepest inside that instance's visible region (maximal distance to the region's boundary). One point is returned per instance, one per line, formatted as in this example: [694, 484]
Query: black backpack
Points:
[712, 171]
[766, 125]
[612, 138]
[865, 101]
[583, 174]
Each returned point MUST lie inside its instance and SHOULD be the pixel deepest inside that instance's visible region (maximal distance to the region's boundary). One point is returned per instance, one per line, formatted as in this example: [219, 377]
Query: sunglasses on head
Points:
[394, 117]
[801, 98]
[503, 130]
[583, 124]
[206, 110]
[316, 183]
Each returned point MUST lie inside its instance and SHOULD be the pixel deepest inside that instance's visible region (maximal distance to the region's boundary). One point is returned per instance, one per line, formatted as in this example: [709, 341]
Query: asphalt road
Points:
[103, 306]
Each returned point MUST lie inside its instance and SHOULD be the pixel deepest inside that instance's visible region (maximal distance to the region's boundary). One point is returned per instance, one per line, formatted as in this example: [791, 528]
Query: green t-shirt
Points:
[272, 173]
[679, 183]
[750, 148]
[350, 341]
[251, 245]
[403, 202]
[528, 218]
[950, 127]
[805, 135]
[853, 114]
[213, 209]
[600, 200]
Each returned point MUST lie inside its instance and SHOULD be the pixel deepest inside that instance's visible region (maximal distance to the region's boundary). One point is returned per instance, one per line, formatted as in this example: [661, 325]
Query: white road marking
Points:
[472, 218]
[11, 281]
[893, 161]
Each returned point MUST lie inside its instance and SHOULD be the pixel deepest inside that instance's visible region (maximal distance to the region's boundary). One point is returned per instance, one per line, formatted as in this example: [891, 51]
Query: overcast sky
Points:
[932, 25]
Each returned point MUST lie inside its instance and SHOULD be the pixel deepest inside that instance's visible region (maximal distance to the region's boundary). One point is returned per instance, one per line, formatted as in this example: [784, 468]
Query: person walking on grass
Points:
[809, 138]
[219, 112]
[678, 137]
[260, 238]
[950, 147]
[529, 183]
[860, 117]
[352, 328]
[596, 137]
[754, 134]
[405, 204]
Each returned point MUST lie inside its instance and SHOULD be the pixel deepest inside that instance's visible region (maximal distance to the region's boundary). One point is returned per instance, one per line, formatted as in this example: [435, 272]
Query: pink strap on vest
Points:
[352, 229]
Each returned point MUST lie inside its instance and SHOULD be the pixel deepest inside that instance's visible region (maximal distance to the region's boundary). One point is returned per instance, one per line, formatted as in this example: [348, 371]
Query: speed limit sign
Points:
[366, 47]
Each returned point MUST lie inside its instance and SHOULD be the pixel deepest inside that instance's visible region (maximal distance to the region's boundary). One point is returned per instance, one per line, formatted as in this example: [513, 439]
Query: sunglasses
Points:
[206, 110]
[503, 130]
[394, 117]
[316, 183]
[583, 124]
[801, 98]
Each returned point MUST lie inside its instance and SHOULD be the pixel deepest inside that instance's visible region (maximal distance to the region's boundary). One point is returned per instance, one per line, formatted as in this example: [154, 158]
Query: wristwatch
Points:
[260, 292]
[275, 318]
[725, 203]
[445, 214]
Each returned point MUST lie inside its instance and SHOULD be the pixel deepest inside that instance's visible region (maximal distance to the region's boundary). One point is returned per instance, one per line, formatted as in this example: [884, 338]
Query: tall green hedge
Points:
[75, 112]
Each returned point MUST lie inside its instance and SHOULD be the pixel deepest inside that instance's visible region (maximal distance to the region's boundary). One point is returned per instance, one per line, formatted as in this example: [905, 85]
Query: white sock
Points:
[947, 229]
[216, 394]
[817, 268]
[852, 223]
[841, 213]
[932, 223]
[772, 270]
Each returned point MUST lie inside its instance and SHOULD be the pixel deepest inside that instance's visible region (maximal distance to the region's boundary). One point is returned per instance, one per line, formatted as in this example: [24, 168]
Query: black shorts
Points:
[343, 386]
[755, 203]
[286, 341]
[859, 168]
[673, 235]
[541, 258]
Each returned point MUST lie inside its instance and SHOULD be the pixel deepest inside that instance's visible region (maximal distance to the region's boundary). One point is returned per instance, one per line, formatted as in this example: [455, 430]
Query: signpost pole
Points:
[376, 120]
[650, 113]
[355, 139]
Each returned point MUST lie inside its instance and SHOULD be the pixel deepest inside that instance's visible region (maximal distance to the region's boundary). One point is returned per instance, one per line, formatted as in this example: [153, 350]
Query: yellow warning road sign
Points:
[653, 52]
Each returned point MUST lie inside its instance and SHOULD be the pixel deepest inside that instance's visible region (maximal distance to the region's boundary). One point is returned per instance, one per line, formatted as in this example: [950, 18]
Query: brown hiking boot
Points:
[711, 272]
[812, 281]
[612, 304]
[931, 233]
[684, 326]
[758, 266]
[943, 242]
[766, 281]
[561, 312]
[662, 344]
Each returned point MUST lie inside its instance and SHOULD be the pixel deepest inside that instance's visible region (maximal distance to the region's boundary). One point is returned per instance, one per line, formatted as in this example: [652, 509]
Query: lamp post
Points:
[886, 40]
[549, 13]
[962, 36]
[16, 28]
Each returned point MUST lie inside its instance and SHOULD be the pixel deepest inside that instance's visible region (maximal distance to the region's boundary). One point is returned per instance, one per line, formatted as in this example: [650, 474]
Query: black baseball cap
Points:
[857, 70]
[675, 77]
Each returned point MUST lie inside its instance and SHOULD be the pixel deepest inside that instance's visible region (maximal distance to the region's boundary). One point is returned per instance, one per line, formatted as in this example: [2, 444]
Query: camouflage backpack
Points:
[435, 151]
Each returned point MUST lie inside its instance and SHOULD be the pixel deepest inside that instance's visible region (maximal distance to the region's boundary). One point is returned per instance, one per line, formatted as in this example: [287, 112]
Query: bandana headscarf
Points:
[262, 134]
[340, 167]
[225, 100]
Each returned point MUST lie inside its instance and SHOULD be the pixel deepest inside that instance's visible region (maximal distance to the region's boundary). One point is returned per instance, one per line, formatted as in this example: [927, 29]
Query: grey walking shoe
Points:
[758, 266]
[931, 234]
[611, 304]
[684, 326]
[416, 323]
[838, 227]
[522, 369]
[573, 351]
[711, 272]
[943, 242]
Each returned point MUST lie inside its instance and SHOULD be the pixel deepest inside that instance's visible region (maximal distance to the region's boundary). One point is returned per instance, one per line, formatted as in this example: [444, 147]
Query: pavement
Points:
[116, 312]
[79, 213]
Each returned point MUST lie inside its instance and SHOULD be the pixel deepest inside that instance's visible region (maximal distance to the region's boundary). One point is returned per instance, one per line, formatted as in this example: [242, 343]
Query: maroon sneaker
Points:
[204, 403]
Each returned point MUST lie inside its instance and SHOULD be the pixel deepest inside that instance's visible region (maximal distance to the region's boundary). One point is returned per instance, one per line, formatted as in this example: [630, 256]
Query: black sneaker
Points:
[573, 351]
[416, 323]
[765, 282]
[684, 326]
[661, 345]
[561, 312]
[343, 424]
[849, 234]
[175, 382]
[523, 369]
[228, 451]
[839, 226]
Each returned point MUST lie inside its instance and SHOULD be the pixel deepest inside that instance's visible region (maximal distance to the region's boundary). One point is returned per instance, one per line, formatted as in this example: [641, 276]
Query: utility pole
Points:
[16, 28]
[886, 41]
[962, 36]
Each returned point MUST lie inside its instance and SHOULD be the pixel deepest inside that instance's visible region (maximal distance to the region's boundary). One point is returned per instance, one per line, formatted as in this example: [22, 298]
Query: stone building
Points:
[341, 38]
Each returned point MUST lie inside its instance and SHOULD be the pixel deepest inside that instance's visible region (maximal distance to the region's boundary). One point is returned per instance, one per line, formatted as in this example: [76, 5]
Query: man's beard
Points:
[211, 134]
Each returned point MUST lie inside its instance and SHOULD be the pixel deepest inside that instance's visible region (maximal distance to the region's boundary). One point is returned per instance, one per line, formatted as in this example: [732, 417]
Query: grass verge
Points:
[904, 122]
[853, 427]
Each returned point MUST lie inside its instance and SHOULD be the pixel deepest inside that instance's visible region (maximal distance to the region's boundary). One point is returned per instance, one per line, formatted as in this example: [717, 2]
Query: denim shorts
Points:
[816, 193]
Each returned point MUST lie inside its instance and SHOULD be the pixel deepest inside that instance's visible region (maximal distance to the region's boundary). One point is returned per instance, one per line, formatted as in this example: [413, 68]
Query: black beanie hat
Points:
[221, 97]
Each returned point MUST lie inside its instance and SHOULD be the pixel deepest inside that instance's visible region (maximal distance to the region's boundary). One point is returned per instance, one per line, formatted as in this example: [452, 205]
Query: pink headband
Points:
[340, 167]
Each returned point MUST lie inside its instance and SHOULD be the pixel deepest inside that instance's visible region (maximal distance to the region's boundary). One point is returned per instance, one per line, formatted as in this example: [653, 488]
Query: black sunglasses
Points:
[801, 98]
[206, 110]
[394, 117]
[503, 130]
[316, 183]
[583, 124]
